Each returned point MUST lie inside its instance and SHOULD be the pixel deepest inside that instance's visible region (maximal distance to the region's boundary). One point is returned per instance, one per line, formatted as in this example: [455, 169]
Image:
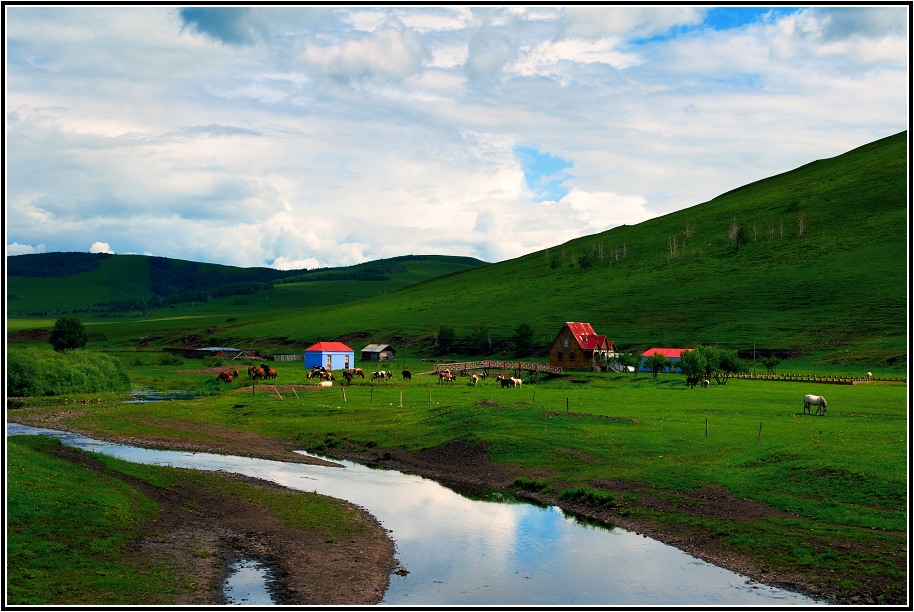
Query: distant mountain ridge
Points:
[810, 261]
[176, 281]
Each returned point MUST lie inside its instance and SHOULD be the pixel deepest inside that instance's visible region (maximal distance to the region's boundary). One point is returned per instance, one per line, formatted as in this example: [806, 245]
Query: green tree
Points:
[771, 363]
[657, 363]
[68, 333]
[523, 339]
[627, 360]
[446, 337]
[480, 337]
[692, 364]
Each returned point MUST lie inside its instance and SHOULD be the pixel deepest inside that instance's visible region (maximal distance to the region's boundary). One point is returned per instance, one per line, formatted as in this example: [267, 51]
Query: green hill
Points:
[812, 261]
[104, 285]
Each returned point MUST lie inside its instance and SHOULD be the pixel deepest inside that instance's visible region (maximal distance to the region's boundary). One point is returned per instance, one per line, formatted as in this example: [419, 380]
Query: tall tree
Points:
[68, 333]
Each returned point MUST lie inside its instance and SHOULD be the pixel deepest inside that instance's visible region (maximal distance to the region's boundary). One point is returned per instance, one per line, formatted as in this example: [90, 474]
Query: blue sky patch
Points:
[544, 173]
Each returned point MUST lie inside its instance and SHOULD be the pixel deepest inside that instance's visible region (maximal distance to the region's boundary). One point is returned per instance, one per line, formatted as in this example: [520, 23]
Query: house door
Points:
[346, 362]
[329, 362]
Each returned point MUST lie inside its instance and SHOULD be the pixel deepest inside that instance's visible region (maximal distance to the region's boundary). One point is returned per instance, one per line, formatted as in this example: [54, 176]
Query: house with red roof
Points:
[578, 347]
[673, 354]
[330, 355]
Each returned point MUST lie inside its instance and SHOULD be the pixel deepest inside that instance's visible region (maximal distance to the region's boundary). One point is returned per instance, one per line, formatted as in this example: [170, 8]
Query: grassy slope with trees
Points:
[810, 261]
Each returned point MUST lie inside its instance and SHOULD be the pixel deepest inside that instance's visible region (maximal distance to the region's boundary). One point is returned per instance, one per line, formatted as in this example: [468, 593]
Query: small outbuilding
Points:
[578, 347]
[330, 355]
[673, 354]
[378, 352]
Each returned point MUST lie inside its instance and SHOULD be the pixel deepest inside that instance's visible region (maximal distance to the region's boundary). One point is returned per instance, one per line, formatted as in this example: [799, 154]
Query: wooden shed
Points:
[330, 355]
[378, 352]
[578, 347]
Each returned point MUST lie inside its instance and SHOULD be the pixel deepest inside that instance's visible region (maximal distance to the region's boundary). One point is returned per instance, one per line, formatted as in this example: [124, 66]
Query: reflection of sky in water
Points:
[461, 551]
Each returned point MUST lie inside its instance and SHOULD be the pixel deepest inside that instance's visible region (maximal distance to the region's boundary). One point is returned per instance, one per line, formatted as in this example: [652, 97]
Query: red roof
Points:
[669, 353]
[586, 336]
[329, 347]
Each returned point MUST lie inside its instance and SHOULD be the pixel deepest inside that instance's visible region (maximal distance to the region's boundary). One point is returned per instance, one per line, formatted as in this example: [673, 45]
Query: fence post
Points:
[344, 392]
[706, 427]
[401, 399]
[759, 432]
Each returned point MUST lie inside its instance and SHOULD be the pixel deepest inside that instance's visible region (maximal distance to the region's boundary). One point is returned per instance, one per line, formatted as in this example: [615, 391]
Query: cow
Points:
[407, 375]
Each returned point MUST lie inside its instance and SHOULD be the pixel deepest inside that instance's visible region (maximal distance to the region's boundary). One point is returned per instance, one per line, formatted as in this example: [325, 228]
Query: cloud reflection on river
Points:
[461, 551]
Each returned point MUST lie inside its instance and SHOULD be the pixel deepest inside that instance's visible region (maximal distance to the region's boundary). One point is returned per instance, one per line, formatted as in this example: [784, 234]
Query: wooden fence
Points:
[516, 366]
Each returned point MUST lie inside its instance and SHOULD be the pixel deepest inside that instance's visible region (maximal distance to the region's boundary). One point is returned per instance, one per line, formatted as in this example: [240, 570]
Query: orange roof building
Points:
[578, 347]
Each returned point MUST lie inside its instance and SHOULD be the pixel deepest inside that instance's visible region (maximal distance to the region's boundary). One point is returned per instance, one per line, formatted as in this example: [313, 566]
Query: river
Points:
[494, 551]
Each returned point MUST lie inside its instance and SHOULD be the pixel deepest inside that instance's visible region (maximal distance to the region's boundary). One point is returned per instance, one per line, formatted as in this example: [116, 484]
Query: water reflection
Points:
[146, 395]
[461, 551]
[247, 584]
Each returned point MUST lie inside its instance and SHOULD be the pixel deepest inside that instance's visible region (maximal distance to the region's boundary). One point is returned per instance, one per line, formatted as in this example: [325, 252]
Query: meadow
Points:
[841, 477]
[806, 265]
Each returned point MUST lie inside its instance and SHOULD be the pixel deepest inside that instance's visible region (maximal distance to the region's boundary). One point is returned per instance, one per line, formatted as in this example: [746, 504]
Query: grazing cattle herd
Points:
[325, 379]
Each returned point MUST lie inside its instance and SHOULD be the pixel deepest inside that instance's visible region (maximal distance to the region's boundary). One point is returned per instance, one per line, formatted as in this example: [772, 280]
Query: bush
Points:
[34, 372]
[589, 497]
[68, 333]
[170, 359]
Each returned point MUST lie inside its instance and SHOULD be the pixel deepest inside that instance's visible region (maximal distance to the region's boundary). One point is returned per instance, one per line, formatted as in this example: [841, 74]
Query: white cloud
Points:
[100, 247]
[315, 136]
[23, 249]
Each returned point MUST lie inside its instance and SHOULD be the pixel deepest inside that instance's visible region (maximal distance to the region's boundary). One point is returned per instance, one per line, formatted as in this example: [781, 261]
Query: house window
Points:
[565, 343]
[558, 356]
[571, 356]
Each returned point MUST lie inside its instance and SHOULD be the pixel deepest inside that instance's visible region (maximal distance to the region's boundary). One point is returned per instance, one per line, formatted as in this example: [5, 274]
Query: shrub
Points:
[589, 497]
[34, 372]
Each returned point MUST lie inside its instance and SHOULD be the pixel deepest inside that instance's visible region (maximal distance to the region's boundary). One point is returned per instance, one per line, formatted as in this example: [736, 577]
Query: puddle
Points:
[247, 583]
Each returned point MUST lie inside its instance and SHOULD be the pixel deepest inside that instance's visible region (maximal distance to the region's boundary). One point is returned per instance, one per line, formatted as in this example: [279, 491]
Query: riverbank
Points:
[331, 552]
[685, 518]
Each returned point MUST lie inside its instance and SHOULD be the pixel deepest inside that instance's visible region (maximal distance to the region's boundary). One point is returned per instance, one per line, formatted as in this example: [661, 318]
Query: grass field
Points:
[842, 476]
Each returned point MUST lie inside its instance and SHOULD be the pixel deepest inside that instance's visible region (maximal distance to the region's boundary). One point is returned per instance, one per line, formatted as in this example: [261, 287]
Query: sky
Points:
[320, 136]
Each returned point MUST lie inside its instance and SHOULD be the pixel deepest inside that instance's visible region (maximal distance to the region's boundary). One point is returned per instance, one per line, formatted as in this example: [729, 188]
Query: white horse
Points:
[815, 400]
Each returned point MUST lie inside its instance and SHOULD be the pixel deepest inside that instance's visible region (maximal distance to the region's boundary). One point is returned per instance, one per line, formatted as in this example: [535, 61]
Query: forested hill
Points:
[101, 283]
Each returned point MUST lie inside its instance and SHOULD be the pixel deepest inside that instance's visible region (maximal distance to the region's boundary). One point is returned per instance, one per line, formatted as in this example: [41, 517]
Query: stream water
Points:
[492, 551]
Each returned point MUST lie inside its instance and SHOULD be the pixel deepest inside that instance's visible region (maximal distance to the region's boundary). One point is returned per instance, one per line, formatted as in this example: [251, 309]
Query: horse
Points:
[446, 376]
[226, 376]
[271, 373]
[815, 400]
[358, 372]
[347, 374]
[505, 381]
[407, 375]
[517, 381]
[475, 378]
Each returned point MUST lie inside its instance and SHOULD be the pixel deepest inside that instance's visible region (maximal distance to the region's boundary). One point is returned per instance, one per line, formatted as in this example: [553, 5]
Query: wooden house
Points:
[578, 347]
[378, 352]
[330, 355]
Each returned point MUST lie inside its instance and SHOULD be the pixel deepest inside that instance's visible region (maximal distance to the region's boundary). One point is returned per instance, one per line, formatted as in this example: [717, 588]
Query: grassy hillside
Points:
[812, 261]
[837, 286]
[106, 285]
